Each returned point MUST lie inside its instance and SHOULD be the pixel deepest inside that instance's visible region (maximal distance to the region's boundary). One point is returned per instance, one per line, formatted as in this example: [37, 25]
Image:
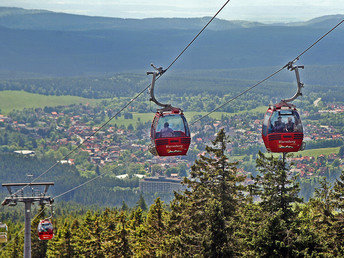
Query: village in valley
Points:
[47, 131]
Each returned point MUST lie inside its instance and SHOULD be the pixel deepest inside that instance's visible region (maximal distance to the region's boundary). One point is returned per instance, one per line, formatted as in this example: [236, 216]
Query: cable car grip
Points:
[159, 71]
[291, 67]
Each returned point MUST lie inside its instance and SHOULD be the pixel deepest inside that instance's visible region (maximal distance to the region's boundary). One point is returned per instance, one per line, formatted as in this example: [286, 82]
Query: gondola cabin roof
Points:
[282, 106]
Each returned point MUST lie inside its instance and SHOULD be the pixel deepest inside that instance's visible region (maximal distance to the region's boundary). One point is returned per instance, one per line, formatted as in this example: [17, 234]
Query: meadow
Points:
[18, 100]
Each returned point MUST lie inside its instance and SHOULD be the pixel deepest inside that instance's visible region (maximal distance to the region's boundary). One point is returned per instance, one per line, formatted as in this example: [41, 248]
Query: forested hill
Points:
[18, 18]
[57, 44]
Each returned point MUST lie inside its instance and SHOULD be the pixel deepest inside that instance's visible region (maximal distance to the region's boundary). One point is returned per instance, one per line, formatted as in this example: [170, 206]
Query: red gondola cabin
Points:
[282, 129]
[45, 230]
[170, 133]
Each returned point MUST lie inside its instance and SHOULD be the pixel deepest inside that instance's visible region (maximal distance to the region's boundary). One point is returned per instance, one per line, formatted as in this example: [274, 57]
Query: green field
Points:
[318, 152]
[313, 152]
[19, 100]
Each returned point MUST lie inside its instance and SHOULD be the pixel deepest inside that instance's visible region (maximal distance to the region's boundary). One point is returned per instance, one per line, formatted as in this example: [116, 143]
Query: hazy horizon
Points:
[251, 10]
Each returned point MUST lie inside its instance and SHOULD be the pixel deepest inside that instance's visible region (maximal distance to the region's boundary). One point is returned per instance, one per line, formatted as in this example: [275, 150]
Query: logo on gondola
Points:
[285, 147]
[174, 146]
[173, 151]
[293, 142]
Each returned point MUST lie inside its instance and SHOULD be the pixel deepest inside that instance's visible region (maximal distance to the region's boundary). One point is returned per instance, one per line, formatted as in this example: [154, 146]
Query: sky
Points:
[251, 10]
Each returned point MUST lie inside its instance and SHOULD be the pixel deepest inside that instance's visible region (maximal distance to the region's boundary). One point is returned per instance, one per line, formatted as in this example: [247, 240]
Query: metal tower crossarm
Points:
[28, 199]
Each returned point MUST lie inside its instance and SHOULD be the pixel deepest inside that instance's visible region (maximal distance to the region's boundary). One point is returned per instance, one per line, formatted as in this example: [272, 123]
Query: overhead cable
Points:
[126, 105]
[271, 75]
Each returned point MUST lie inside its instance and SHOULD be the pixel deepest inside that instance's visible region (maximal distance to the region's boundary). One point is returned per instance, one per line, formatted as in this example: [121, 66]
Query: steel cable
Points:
[273, 74]
[125, 106]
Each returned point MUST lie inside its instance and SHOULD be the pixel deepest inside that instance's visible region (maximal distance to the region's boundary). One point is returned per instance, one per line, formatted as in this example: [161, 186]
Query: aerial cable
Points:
[199, 33]
[77, 187]
[126, 105]
[237, 96]
[273, 74]
[86, 140]
[317, 41]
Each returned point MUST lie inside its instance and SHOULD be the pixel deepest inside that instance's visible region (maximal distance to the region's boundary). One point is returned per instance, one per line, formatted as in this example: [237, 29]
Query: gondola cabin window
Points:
[171, 126]
[285, 121]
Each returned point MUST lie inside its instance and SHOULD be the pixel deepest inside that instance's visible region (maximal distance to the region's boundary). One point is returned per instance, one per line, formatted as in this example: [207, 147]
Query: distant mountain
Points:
[321, 22]
[17, 18]
[47, 43]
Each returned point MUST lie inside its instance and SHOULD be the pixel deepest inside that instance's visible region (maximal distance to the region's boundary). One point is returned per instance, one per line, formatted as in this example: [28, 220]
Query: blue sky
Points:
[253, 10]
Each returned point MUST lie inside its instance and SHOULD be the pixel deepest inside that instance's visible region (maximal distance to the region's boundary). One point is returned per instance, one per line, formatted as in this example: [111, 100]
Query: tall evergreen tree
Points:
[280, 234]
[338, 223]
[155, 228]
[205, 216]
[142, 203]
[338, 192]
[138, 233]
[123, 248]
[275, 186]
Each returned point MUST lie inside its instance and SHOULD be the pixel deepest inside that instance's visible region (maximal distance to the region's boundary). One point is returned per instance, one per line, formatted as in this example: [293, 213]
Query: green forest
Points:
[216, 216]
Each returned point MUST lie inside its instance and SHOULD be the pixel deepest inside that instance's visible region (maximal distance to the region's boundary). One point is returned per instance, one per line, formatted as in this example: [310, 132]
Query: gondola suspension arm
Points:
[158, 72]
[295, 68]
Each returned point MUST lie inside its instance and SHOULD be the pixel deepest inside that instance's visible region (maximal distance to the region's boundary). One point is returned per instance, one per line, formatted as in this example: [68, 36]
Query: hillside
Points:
[46, 43]
[18, 18]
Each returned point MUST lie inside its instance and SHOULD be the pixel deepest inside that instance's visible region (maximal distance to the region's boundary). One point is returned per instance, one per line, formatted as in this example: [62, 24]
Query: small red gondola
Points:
[3, 233]
[45, 230]
[170, 133]
[282, 128]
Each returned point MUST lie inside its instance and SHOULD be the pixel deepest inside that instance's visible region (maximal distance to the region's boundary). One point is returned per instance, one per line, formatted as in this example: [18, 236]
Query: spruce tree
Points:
[155, 228]
[280, 234]
[338, 223]
[338, 192]
[138, 233]
[204, 218]
[141, 203]
[275, 186]
[123, 248]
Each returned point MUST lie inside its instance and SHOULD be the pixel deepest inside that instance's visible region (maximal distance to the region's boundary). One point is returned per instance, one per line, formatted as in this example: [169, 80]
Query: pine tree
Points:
[338, 192]
[109, 219]
[141, 203]
[323, 202]
[83, 235]
[338, 223]
[123, 248]
[138, 233]
[281, 234]
[124, 206]
[155, 228]
[275, 186]
[204, 218]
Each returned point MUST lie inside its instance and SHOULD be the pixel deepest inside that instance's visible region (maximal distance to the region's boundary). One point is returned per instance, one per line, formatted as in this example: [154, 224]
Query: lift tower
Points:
[28, 197]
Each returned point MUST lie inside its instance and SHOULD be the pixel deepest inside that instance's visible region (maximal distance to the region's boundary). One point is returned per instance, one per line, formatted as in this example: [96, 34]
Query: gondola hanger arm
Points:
[158, 72]
[290, 66]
